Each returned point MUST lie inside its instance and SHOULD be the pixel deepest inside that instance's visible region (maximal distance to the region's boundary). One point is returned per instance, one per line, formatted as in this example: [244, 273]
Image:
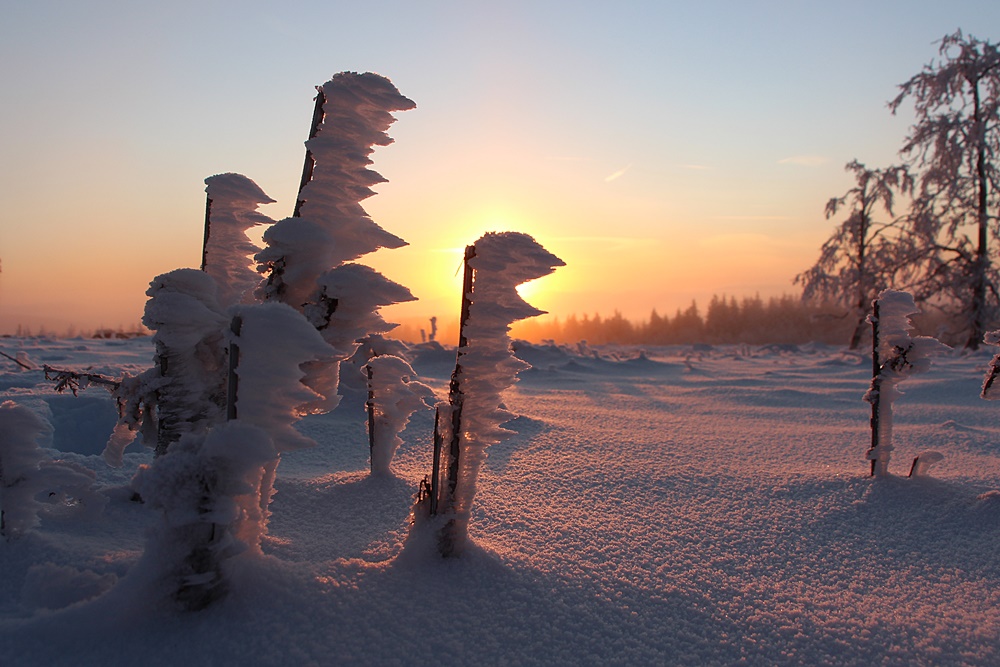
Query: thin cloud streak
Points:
[618, 174]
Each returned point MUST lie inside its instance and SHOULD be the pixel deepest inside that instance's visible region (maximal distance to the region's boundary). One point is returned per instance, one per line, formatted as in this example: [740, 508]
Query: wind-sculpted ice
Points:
[486, 365]
[394, 397]
[232, 210]
[305, 257]
[900, 356]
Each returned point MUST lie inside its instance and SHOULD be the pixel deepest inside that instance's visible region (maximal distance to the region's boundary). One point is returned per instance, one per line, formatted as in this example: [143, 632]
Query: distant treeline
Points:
[752, 320]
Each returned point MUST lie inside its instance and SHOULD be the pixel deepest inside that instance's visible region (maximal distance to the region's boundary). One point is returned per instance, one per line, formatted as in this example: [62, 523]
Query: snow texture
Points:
[232, 210]
[900, 357]
[664, 506]
[31, 483]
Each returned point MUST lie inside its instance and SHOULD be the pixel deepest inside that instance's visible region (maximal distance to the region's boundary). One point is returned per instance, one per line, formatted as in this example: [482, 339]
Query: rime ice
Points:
[900, 356]
[232, 210]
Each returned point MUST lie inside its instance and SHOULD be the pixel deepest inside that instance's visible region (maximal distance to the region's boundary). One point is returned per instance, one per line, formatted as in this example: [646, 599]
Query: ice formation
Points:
[189, 372]
[900, 356]
[305, 257]
[393, 397]
[486, 366]
[989, 390]
[232, 210]
[213, 486]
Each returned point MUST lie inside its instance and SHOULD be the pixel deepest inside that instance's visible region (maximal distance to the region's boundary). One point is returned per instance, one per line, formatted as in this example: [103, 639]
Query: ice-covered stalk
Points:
[393, 396]
[213, 487]
[230, 210]
[485, 367]
[329, 227]
[895, 356]
[874, 394]
[990, 391]
[189, 375]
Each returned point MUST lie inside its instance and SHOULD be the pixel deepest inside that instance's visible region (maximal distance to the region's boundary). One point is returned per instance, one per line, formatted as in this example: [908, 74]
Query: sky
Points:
[666, 151]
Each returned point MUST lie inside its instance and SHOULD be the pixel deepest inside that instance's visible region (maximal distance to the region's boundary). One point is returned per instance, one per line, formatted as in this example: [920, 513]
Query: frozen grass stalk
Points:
[895, 357]
[485, 366]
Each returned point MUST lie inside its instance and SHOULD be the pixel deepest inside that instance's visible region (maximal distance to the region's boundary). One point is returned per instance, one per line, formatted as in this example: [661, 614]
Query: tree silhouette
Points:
[954, 144]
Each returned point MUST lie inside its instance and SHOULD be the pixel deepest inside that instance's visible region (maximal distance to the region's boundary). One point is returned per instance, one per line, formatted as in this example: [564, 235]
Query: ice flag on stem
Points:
[393, 396]
[26, 473]
[231, 209]
[305, 257]
[897, 357]
[331, 227]
[486, 367]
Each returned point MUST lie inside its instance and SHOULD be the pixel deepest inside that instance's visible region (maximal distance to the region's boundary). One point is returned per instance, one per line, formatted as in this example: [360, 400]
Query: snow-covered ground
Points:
[676, 506]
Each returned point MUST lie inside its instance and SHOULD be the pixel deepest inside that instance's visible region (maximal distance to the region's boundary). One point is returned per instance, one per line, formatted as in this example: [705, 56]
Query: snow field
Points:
[677, 507]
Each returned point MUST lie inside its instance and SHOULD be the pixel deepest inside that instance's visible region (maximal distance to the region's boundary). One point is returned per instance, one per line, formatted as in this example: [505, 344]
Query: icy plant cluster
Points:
[900, 356]
[232, 375]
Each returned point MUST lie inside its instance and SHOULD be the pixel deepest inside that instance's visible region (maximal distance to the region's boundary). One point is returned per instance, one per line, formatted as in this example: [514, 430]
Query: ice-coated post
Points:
[233, 379]
[370, 405]
[455, 400]
[208, 232]
[876, 383]
[310, 162]
[436, 465]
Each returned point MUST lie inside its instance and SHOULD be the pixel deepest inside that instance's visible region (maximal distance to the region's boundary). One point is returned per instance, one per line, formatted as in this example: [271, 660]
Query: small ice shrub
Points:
[895, 357]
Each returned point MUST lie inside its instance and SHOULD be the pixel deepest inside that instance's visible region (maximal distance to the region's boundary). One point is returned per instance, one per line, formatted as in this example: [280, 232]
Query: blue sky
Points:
[666, 151]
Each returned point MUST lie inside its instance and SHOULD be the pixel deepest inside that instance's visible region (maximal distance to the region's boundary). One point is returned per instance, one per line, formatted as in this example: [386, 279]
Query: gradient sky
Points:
[667, 151]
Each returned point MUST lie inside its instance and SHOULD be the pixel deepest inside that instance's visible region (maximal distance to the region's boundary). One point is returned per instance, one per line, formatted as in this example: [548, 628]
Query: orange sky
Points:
[666, 153]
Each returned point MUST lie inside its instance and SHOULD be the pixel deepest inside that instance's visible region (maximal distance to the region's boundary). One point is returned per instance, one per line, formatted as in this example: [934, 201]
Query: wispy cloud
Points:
[618, 174]
[805, 160]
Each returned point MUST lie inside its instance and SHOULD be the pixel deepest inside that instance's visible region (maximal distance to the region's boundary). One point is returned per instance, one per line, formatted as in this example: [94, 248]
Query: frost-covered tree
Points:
[896, 356]
[952, 148]
[30, 481]
[865, 254]
[230, 210]
[473, 418]
[306, 255]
